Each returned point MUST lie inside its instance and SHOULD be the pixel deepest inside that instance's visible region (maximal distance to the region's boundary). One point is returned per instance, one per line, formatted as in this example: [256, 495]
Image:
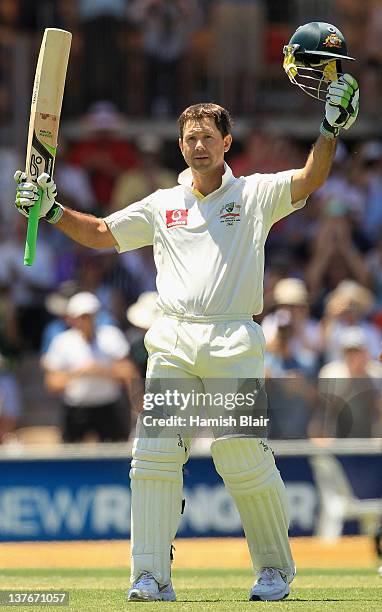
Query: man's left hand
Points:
[342, 106]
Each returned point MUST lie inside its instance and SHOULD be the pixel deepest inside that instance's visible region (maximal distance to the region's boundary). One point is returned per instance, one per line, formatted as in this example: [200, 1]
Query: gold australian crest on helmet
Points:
[313, 57]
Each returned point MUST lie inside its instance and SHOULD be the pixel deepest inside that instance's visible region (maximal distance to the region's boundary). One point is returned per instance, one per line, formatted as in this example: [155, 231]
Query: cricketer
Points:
[208, 235]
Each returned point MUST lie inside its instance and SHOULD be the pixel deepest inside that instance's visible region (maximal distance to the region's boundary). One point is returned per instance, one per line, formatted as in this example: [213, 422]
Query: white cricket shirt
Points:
[209, 251]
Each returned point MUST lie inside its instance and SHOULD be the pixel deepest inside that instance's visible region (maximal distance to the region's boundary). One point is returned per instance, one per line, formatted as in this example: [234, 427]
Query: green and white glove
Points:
[27, 195]
[342, 106]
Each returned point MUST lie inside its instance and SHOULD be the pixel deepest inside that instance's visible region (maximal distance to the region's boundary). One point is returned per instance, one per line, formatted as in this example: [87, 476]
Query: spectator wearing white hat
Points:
[56, 304]
[87, 365]
[305, 340]
[351, 391]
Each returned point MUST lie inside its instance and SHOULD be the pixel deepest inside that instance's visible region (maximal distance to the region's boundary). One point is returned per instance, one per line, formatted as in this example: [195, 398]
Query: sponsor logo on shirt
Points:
[177, 217]
[230, 213]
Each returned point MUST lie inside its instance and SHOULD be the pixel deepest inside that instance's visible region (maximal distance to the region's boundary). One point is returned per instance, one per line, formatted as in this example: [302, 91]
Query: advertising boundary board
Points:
[81, 496]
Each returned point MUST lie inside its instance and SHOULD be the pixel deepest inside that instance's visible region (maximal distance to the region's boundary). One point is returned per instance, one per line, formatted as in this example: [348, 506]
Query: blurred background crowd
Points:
[134, 65]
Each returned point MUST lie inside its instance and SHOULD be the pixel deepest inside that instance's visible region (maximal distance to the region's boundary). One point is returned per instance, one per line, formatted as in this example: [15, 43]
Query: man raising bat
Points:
[208, 235]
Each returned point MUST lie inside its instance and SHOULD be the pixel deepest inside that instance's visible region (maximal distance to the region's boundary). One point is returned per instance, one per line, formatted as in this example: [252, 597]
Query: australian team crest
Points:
[333, 41]
[230, 213]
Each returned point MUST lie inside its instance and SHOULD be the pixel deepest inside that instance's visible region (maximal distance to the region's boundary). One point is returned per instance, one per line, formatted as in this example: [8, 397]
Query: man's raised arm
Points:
[80, 227]
[316, 170]
[341, 110]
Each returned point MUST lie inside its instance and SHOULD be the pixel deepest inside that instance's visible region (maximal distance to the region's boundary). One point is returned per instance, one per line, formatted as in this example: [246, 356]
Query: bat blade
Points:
[48, 92]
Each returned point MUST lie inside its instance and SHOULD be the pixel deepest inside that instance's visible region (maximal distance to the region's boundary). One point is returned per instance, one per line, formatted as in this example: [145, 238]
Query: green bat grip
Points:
[31, 240]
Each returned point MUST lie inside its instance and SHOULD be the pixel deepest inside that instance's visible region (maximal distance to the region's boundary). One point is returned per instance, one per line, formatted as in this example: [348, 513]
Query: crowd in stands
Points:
[153, 57]
[323, 286]
[322, 317]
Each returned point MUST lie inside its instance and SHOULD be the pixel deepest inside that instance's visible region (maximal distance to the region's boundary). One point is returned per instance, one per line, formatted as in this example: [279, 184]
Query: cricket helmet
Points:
[312, 58]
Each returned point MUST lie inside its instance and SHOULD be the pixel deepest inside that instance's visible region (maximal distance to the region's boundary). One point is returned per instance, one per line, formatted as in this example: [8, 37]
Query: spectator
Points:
[371, 79]
[350, 389]
[74, 182]
[27, 287]
[9, 23]
[66, 16]
[10, 402]
[88, 367]
[114, 285]
[8, 158]
[345, 184]
[335, 257]
[147, 177]
[9, 20]
[374, 264]
[104, 154]
[237, 52]
[166, 27]
[290, 393]
[280, 357]
[370, 155]
[10, 341]
[291, 295]
[348, 306]
[141, 265]
[279, 266]
[353, 17]
[56, 305]
[104, 65]
[265, 153]
[90, 277]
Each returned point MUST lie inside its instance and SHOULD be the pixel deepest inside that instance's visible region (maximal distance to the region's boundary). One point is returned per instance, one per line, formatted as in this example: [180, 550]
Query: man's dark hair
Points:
[219, 114]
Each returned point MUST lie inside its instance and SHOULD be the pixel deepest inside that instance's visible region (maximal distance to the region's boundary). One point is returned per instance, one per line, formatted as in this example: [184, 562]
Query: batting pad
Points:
[156, 504]
[249, 472]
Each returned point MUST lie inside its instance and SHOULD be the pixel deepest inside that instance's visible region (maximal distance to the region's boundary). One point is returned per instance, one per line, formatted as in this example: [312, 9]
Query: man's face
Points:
[203, 146]
[85, 324]
[356, 359]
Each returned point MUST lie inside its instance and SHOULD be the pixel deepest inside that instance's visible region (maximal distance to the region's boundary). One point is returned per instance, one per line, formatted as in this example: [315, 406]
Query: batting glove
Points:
[27, 195]
[342, 106]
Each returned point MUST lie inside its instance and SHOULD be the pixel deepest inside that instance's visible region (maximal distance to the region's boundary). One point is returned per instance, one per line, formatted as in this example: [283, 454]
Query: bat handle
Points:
[31, 239]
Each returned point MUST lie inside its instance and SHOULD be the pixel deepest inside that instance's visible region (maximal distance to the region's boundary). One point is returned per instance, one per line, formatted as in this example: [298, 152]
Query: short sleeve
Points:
[55, 357]
[133, 226]
[274, 195]
[112, 342]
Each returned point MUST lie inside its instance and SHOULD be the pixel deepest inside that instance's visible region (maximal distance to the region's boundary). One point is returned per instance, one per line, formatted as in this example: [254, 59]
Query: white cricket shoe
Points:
[271, 585]
[146, 588]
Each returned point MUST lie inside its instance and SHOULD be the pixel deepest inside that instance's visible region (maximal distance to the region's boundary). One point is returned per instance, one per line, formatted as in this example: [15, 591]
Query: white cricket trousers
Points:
[205, 347]
[208, 354]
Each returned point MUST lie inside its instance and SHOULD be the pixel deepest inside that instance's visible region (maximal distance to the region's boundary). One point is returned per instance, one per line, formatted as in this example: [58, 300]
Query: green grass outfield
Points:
[339, 590]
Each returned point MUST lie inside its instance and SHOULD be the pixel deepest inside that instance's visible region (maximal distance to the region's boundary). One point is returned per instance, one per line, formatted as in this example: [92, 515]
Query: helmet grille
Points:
[312, 73]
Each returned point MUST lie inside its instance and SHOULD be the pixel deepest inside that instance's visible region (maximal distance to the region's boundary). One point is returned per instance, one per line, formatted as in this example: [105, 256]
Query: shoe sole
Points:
[139, 596]
[256, 598]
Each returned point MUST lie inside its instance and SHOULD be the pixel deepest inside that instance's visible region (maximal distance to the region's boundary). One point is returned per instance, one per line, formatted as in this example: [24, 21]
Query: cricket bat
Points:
[44, 121]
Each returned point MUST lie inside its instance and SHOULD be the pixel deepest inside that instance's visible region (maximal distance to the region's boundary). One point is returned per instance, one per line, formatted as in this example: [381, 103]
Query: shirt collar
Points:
[185, 177]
